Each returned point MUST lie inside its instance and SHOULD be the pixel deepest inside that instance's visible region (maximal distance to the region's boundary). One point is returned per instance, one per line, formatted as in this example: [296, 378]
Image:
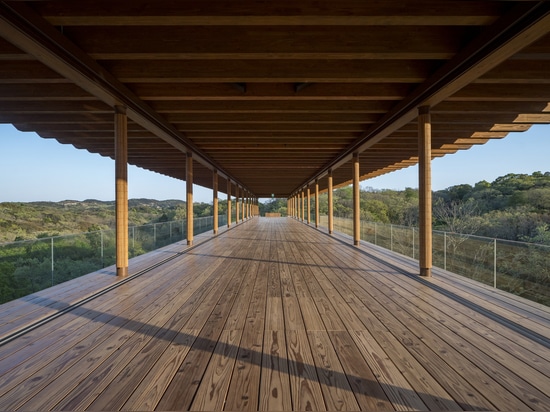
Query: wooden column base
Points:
[122, 272]
[189, 243]
[426, 272]
[356, 242]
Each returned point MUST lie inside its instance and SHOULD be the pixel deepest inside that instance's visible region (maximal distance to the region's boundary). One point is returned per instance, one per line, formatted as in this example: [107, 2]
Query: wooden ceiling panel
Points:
[283, 12]
[270, 71]
[190, 42]
[274, 94]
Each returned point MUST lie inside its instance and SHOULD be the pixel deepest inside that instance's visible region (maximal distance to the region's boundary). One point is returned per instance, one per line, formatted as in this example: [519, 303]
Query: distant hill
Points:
[514, 207]
[21, 221]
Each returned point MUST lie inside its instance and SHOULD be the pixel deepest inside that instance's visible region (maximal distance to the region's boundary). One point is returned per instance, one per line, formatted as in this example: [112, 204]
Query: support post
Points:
[228, 202]
[121, 192]
[425, 189]
[288, 209]
[237, 205]
[243, 206]
[316, 203]
[308, 210]
[356, 202]
[330, 204]
[303, 205]
[215, 200]
[189, 200]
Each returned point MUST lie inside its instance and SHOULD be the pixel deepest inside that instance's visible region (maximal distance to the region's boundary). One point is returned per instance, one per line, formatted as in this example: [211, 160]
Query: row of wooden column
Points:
[300, 211]
[246, 205]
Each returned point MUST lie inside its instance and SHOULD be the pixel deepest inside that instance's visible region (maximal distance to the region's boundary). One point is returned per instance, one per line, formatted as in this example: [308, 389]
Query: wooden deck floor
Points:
[275, 315]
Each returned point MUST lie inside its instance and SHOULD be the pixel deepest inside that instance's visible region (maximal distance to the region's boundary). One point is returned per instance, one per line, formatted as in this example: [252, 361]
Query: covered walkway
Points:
[276, 315]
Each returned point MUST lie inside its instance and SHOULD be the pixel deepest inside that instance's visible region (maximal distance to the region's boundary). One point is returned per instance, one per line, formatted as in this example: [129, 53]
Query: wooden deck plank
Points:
[378, 312]
[275, 315]
[498, 333]
[305, 387]
[212, 392]
[180, 392]
[334, 383]
[243, 389]
[120, 371]
[503, 349]
[492, 389]
[275, 391]
[366, 388]
[67, 351]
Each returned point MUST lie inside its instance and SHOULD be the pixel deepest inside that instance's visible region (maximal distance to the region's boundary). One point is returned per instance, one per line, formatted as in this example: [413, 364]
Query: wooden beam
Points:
[280, 13]
[213, 90]
[271, 71]
[269, 42]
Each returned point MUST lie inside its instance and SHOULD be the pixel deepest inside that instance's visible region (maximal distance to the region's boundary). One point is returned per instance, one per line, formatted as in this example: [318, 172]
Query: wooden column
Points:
[308, 210]
[316, 203]
[303, 205]
[228, 202]
[215, 200]
[330, 204]
[243, 209]
[121, 190]
[189, 185]
[288, 209]
[237, 206]
[425, 190]
[356, 202]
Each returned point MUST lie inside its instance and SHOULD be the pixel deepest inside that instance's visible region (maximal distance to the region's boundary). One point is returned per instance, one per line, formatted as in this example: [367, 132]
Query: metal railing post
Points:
[52, 258]
[495, 263]
[413, 241]
[445, 250]
[102, 254]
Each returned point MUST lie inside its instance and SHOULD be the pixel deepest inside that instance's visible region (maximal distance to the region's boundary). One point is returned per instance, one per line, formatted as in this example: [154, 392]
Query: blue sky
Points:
[33, 169]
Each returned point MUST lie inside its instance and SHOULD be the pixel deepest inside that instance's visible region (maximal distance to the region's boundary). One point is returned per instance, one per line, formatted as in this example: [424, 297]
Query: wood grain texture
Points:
[275, 315]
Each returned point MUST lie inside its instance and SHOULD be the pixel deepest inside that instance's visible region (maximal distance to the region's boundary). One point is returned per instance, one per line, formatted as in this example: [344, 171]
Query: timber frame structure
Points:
[278, 97]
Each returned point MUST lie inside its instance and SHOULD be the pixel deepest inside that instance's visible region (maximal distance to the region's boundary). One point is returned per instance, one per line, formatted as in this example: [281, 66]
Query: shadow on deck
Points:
[274, 315]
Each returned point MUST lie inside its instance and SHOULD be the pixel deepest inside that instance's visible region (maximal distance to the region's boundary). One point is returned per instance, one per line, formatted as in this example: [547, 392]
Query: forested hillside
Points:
[514, 207]
[23, 221]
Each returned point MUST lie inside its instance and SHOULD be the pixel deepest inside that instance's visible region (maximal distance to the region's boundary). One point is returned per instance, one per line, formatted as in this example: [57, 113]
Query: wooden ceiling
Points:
[274, 94]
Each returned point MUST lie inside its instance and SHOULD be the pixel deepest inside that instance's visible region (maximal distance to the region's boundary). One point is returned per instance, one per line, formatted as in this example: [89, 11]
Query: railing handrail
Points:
[453, 233]
[67, 235]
